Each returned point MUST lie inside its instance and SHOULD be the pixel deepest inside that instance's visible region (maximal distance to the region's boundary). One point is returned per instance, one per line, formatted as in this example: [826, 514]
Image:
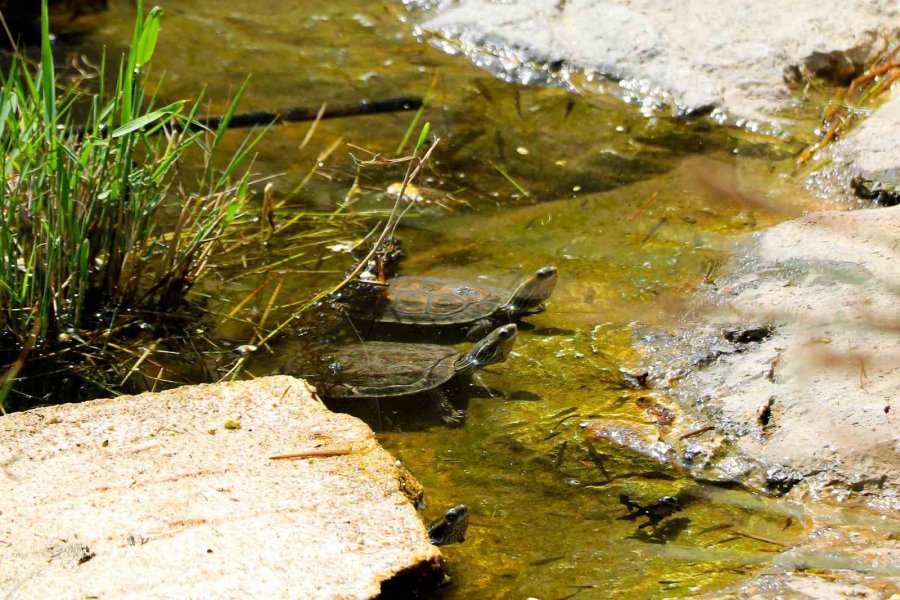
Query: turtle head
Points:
[494, 348]
[671, 502]
[451, 527]
[532, 292]
[457, 514]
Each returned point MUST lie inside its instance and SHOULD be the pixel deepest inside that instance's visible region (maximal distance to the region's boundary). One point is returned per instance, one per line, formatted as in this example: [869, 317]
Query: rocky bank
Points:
[737, 57]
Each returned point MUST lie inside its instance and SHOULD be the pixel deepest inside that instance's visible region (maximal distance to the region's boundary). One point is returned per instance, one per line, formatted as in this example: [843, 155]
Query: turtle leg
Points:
[450, 416]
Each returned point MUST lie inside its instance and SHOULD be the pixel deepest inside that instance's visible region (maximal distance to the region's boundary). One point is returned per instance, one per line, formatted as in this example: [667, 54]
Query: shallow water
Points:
[612, 200]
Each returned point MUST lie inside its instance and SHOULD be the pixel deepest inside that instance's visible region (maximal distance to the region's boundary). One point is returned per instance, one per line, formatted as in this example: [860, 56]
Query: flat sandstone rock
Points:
[155, 496]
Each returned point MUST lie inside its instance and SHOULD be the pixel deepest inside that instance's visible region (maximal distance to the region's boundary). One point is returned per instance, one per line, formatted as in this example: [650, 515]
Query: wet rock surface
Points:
[814, 401]
[874, 146]
[868, 159]
[735, 55]
[176, 494]
[838, 560]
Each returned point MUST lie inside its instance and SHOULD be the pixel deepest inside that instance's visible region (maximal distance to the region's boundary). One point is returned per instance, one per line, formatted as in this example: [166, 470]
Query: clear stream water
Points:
[611, 201]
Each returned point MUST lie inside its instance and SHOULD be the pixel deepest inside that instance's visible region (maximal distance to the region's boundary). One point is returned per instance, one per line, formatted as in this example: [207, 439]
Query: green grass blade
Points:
[48, 72]
[423, 136]
[142, 122]
[146, 43]
[229, 113]
[417, 116]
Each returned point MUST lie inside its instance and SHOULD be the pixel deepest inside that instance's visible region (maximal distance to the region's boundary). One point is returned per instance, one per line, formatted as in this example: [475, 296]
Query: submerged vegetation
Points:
[114, 207]
[98, 219]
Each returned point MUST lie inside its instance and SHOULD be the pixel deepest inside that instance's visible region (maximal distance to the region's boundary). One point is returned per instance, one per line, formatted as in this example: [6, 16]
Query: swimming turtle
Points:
[433, 301]
[450, 528]
[366, 283]
[655, 512]
[389, 369]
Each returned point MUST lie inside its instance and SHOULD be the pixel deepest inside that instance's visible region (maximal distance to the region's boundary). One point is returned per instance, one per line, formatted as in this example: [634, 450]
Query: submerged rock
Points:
[153, 495]
[24, 18]
[838, 560]
[619, 448]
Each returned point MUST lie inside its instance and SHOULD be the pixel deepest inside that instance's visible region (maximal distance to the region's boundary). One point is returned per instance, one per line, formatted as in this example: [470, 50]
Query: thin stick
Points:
[322, 453]
[364, 107]
[653, 230]
[757, 538]
[696, 432]
[312, 128]
[252, 295]
[323, 156]
[265, 315]
[870, 74]
[510, 179]
[137, 364]
[411, 173]
[643, 206]
[840, 116]
[290, 115]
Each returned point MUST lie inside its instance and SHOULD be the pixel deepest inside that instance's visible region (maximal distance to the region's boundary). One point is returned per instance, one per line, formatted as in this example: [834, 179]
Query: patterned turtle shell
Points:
[388, 369]
[383, 369]
[434, 301]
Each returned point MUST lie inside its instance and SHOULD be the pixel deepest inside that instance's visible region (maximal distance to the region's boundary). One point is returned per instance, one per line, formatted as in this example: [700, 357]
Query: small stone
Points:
[747, 335]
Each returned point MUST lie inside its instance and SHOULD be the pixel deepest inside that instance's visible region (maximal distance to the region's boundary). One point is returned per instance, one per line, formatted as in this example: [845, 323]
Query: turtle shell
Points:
[383, 369]
[427, 301]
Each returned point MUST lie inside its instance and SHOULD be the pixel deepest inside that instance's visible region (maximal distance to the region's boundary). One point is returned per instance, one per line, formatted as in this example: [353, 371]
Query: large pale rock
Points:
[153, 496]
[731, 54]
[817, 400]
[872, 150]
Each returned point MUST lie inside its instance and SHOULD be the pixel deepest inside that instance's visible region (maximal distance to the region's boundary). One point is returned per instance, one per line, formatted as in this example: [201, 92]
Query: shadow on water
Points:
[591, 186]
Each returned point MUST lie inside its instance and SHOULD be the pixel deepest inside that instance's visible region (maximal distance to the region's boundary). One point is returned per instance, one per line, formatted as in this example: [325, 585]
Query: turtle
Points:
[450, 528]
[376, 261]
[433, 301]
[386, 256]
[655, 512]
[390, 369]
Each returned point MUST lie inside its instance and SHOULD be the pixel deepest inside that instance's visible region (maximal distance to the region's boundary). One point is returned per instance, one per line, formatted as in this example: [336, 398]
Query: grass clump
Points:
[856, 100]
[97, 222]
